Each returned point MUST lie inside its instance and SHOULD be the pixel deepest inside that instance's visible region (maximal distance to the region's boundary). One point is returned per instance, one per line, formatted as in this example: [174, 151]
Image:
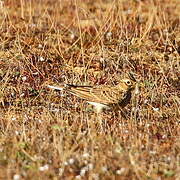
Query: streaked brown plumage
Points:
[103, 96]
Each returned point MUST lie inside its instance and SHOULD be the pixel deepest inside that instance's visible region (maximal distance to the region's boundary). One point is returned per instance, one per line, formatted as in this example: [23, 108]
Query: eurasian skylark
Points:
[103, 96]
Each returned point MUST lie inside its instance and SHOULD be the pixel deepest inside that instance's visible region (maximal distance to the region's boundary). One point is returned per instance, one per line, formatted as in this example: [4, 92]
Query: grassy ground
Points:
[49, 135]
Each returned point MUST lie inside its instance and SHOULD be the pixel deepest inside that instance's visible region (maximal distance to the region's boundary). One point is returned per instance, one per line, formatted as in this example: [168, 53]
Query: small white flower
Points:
[133, 109]
[40, 121]
[126, 131]
[152, 152]
[44, 168]
[155, 109]
[17, 132]
[40, 46]
[85, 162]
[104, 169]
[32, 25]
[82, 172]
[72, 36]
[41, 59]
[16, 177]
[78, 177]
[129, 11]
[41, 168]
[61, 170]
[169, 158]
[145, 101]
[71, 161]
[109, 34]
[120, 171]
[164, 136]
[13, 118]
[24, 78]
[85, 155]
[148, 125]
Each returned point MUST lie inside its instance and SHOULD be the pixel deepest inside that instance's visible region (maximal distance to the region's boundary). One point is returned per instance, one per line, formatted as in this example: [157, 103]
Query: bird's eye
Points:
[128, 82]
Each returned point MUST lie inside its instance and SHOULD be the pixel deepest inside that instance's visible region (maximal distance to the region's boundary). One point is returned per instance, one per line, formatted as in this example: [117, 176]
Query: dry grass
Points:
[48, 135]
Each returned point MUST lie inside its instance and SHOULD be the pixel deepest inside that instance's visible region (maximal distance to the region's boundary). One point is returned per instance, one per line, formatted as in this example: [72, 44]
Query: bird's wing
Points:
[101, 94]
[108, 95]
[80, 91]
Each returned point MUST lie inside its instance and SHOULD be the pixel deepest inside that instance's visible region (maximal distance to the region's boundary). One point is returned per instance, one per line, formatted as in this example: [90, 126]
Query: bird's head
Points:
[128, 84]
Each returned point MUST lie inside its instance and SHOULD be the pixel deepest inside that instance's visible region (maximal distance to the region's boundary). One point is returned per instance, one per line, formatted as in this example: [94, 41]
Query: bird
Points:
[102, 96]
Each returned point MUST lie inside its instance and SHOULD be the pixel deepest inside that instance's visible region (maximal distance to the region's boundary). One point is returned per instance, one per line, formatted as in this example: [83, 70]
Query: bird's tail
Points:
[58, 88]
